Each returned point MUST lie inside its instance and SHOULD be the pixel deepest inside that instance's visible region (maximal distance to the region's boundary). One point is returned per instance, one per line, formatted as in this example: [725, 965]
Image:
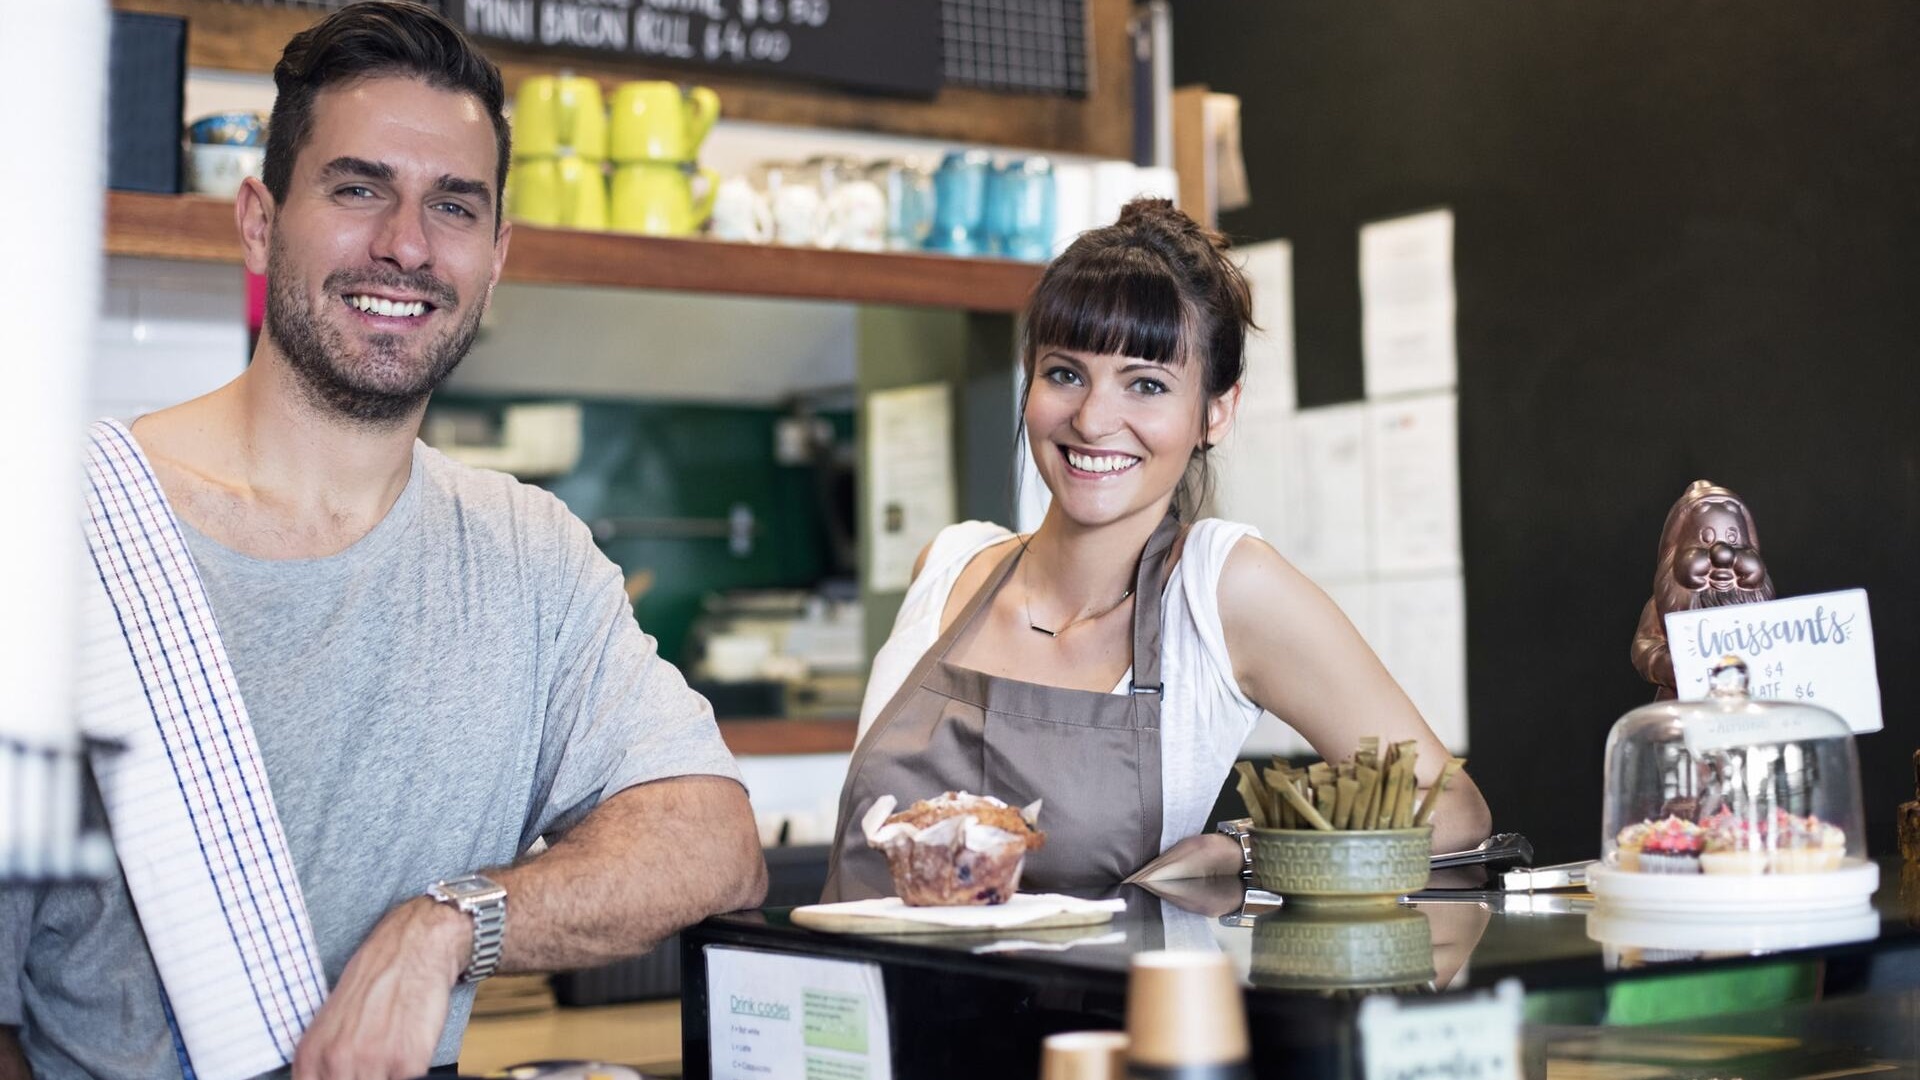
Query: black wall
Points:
[1687, 246]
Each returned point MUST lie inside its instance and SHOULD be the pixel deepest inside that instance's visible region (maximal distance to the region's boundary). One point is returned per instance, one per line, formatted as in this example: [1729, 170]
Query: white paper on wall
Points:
[1270, 374]
[1329, 538]
[1413, 456]
[1407, 304]
[909, 473]
[1418, 626]
[1255, 475]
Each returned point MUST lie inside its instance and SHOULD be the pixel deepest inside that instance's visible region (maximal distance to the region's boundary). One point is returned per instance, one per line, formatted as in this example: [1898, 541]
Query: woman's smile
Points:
[1097, 464]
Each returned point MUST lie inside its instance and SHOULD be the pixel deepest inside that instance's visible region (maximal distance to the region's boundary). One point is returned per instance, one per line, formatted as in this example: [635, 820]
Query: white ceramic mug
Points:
[855, 216]
[796, 214]
[740, 213]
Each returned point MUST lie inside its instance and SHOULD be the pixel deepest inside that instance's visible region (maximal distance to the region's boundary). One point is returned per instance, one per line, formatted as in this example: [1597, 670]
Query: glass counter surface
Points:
[1306, 971]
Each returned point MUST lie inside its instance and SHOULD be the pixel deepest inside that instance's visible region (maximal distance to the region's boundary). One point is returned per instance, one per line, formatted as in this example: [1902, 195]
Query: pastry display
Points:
[956, 849]
[1732, 802]
[1726, 843]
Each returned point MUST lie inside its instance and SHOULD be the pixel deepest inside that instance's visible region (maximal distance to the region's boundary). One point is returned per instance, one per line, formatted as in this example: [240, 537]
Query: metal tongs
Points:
[1500, 849]
[1512, 852]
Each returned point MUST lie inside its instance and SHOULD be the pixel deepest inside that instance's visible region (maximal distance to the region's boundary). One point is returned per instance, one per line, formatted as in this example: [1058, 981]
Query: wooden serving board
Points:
[833, 922]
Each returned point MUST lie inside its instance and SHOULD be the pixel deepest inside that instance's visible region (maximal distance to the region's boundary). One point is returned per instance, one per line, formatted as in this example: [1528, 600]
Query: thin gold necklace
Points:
[1026, 596]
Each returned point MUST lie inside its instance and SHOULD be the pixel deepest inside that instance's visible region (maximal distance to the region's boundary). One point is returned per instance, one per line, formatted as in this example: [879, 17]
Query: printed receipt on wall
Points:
[1817, 650]
[771, 1015]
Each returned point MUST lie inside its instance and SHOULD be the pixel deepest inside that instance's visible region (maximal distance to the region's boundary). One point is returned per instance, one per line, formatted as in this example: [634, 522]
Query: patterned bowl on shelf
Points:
[1364, 866]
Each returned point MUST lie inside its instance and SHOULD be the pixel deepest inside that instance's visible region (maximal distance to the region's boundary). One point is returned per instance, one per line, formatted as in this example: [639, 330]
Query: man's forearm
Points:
[643, 864]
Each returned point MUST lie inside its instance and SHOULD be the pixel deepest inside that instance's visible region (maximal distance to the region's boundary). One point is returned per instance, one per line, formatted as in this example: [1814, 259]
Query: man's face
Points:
[383, 255]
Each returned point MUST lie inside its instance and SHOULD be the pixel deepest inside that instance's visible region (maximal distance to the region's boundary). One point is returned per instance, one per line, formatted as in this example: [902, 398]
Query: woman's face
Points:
[1112, 435]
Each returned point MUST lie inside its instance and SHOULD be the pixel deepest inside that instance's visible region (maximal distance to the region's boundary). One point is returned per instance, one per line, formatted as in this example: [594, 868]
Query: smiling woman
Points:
[1113, 662]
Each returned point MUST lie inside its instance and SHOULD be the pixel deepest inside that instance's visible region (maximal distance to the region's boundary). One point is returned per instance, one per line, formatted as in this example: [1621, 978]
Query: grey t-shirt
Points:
[464, 679]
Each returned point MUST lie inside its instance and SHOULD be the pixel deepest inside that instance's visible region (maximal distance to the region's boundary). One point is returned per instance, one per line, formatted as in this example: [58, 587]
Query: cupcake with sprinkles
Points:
[1672, 846]
[1808, 845]
[1732, 845]
[1626, 852]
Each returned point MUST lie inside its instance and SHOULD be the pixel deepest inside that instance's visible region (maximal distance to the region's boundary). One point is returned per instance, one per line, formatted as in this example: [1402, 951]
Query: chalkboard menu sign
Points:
[886, 46]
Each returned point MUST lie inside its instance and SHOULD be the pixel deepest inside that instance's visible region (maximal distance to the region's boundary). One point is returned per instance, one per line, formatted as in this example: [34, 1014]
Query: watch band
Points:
[1241, 829]
[485, 902]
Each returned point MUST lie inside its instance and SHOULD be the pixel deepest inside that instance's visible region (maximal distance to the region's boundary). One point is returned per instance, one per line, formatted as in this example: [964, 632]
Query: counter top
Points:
[1304, 973]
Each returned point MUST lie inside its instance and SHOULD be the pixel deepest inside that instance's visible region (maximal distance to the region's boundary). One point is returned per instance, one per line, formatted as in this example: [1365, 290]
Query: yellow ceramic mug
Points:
[567, 192]
[554, 113]
[657, 121]
[656, 199]
[533, 192]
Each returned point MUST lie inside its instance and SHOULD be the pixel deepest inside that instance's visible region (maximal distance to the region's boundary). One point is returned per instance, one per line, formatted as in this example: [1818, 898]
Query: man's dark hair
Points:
[369, 39]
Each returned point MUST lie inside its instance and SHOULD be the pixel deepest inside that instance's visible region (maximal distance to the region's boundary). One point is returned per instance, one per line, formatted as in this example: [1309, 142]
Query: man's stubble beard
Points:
[338, 383]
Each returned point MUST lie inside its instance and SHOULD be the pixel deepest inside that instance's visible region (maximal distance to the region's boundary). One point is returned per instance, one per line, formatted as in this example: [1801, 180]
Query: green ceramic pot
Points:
[1342, 948]
[1342, 867]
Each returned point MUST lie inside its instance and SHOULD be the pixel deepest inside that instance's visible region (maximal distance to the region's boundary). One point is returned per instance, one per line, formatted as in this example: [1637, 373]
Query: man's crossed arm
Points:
[643, 864]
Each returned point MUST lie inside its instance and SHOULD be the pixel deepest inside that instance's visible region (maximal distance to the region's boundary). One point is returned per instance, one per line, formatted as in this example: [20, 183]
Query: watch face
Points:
[468, 888]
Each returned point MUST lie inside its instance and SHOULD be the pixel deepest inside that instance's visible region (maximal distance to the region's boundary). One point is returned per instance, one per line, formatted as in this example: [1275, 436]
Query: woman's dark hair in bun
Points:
[1155, 285]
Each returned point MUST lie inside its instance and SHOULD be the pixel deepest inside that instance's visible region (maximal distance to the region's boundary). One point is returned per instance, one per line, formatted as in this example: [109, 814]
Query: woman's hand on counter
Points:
[1204, 856]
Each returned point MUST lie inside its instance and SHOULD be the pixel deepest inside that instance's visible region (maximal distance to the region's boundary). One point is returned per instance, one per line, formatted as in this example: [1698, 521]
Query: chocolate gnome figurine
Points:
[1709, 557]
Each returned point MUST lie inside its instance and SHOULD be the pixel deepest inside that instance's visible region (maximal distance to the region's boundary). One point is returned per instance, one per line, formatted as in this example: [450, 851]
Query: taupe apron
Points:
[1094, 757]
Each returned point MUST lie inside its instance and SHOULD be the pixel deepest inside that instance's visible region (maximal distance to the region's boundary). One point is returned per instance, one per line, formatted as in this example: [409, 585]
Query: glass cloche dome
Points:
[1735, 790]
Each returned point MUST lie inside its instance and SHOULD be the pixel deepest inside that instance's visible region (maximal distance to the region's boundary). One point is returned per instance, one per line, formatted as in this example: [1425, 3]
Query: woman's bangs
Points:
[1117, 307]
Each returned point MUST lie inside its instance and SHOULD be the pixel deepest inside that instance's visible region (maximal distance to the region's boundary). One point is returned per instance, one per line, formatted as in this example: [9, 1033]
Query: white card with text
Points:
[1458, 1037]
[772, 1015]
[1816, 650]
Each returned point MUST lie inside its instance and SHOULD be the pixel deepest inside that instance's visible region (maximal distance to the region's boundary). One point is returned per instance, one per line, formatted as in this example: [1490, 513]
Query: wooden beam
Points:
[201, 229]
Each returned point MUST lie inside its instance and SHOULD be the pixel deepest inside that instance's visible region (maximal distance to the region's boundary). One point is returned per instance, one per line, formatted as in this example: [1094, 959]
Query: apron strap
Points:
[193, 820]
[1149, 585]
[981, 598]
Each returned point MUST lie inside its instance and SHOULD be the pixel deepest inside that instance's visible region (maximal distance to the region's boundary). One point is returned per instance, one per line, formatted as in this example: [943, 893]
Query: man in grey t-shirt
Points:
[439, 665]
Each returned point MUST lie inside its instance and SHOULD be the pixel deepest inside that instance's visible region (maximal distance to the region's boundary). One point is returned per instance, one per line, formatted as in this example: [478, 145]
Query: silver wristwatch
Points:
[485, 902]
[1241, 829]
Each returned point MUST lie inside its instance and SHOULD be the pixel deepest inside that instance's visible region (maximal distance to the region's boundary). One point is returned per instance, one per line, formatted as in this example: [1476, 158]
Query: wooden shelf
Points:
[202, 229]
[825, 736]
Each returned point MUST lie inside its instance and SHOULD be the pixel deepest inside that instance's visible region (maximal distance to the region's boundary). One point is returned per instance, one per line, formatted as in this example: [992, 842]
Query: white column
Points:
[53, 69]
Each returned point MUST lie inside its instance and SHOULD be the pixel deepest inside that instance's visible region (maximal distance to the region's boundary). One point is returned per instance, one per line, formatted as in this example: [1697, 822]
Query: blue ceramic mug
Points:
[1020, 211]
[960, 197]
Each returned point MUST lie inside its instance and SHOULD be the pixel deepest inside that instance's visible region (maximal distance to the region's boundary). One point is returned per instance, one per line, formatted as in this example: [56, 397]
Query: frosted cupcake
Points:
[1809, 846]
[1672, 846]
[1733, 846]
[1627, 845]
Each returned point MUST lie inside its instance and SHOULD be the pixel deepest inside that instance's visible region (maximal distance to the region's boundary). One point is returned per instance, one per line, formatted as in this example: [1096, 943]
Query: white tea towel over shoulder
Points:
[193, 821]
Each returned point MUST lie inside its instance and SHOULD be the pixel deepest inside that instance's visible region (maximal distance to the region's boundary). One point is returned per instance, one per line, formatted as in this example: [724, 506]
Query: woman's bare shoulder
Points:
[973, 576]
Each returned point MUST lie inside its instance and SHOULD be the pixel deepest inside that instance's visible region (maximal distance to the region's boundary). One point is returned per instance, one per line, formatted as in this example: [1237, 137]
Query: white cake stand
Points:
[1703, 898]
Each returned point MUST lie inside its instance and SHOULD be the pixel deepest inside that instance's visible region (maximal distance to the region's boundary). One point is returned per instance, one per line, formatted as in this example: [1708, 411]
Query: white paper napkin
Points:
[1019, 911]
